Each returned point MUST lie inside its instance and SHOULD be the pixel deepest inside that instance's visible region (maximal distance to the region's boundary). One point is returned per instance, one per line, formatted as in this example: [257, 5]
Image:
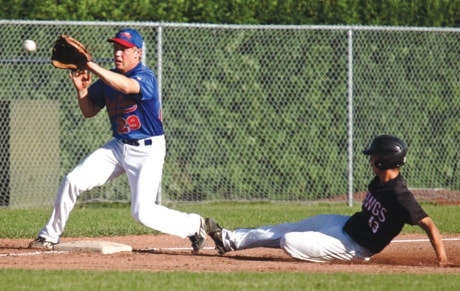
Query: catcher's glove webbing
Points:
[69, 53]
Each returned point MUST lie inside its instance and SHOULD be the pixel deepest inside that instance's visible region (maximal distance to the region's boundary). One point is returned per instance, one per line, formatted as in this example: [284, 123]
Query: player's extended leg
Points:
[144, 165]
[264, 236]
[95, 170]
[269, 236]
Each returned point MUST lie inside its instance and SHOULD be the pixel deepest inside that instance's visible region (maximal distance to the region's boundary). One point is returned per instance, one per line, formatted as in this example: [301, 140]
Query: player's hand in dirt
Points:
[445, 264]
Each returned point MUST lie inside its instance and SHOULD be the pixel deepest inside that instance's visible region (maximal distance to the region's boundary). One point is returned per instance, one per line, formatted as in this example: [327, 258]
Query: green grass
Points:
[132, 281]
[102, 219]
[92, 220]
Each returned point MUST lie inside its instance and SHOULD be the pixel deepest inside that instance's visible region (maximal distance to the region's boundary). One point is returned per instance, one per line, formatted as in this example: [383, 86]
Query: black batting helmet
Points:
[390, 151]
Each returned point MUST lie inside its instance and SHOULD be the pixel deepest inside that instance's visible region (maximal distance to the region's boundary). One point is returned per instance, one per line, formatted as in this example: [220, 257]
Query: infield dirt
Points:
[169, 253]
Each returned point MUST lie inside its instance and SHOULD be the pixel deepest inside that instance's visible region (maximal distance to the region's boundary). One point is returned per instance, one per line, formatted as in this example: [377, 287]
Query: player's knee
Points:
[143, 215]
[294, 245]
[136, 215]
[287, 245]
[76, 182]
[68, 179]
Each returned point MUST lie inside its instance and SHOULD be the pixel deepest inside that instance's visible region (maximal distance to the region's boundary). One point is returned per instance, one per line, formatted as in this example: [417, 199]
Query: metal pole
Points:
[350, 117]
[160, 80]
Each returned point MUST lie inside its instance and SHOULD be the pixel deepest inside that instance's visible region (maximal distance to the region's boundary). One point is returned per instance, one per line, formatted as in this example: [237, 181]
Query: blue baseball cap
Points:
[128, 37]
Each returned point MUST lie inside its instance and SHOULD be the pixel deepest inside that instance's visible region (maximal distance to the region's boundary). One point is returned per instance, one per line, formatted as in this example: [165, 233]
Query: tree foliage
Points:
[435, 13]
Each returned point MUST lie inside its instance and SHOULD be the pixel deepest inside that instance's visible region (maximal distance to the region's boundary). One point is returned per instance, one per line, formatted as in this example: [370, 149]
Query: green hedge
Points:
[445, 13]
[396, 91]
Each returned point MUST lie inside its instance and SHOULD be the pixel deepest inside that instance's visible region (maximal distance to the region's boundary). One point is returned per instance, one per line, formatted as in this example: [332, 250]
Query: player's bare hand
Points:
[81, 79]
[445, 264]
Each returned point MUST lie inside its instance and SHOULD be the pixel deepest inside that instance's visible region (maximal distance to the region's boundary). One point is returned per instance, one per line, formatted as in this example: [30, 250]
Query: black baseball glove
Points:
[69, 53]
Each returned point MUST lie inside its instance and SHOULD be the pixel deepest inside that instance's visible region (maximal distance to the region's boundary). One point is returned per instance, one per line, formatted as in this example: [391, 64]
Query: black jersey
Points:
[385, 210]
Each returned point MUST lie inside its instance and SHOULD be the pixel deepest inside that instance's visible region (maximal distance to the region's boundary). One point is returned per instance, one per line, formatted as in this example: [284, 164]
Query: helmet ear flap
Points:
[390, 162]
[379, 164]
[389, 150]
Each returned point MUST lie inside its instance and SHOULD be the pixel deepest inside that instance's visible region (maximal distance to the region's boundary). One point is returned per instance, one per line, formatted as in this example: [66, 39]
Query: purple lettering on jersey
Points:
[374, 206]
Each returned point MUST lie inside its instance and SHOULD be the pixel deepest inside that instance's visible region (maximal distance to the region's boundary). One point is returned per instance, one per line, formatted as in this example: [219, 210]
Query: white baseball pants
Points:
[318, 239]
[143, 166]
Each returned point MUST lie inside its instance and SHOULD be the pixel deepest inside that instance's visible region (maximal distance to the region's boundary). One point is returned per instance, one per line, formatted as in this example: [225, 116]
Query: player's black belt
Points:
[135, 142]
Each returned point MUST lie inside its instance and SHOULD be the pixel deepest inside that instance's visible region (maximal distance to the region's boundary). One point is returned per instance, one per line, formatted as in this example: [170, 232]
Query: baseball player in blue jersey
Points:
[388, 205]
[129, 93]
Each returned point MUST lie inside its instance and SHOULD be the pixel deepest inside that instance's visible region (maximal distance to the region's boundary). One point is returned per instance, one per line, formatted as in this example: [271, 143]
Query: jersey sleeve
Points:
[148, 85]
[413, 210]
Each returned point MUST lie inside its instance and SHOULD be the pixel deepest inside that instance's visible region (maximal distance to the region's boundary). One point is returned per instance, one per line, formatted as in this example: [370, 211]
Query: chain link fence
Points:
[276, 113]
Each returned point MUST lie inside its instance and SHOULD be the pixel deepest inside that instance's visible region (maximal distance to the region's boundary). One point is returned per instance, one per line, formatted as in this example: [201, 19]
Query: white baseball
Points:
[30, 45]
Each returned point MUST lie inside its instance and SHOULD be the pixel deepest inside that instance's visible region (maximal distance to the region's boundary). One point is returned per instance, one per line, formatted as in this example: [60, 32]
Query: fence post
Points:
[350, 117]
[160, 80]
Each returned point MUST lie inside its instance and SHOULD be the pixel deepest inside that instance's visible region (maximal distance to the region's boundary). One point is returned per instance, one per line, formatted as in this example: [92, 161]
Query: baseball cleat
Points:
[199, 238]
[41, 243]
[215, 232]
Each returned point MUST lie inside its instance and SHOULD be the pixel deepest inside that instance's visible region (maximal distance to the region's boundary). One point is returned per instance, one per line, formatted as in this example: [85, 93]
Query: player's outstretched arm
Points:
[115, 80]
[428, 225]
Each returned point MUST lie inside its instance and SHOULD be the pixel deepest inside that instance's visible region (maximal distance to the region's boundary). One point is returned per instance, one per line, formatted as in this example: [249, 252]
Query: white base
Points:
[103, 247]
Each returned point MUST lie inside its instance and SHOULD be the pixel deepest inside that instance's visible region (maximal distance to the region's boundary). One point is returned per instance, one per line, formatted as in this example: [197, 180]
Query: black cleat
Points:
[199, 238]
[215, 232]
[41, 243]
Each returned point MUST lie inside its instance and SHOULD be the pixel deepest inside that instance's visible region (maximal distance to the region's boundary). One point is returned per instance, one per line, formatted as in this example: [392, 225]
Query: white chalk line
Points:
[206, 248]
[32, 254]
[170, 249]
[62, 252]
[422, 240]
